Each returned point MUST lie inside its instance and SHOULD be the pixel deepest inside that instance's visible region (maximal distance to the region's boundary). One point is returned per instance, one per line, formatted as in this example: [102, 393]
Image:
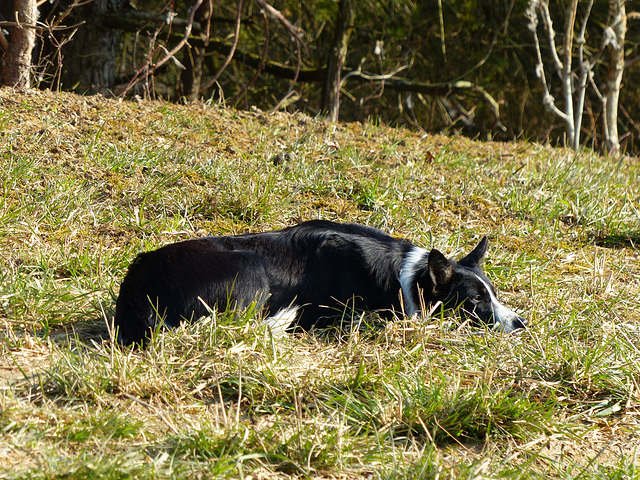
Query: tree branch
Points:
[227, 60]
[263, 58]
[546, 17]
[185, 39]
[296, 32]
[548, 100]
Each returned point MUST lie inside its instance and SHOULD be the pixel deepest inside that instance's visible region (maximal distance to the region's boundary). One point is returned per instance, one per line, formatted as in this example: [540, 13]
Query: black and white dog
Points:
[304, 276]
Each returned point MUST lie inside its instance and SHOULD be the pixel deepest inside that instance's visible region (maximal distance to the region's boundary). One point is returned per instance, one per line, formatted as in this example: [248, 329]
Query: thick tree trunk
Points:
[89, 59]
[331, 89]
[16, 64]
[614, 76]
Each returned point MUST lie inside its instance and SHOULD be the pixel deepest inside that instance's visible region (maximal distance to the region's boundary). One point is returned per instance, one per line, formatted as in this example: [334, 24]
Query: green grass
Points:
[87, 183]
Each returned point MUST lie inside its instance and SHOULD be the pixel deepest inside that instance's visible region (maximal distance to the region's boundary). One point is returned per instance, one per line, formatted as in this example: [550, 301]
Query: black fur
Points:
[317, 266]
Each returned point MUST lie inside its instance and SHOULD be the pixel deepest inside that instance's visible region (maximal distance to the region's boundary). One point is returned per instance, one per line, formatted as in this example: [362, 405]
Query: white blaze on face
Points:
[503, 317]
[407, 278]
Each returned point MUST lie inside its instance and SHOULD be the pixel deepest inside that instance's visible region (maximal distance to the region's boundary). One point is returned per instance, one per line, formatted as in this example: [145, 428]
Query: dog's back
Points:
[183, 280]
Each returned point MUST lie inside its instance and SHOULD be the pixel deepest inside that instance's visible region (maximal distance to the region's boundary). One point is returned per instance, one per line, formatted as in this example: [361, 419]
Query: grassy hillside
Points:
[88, 182]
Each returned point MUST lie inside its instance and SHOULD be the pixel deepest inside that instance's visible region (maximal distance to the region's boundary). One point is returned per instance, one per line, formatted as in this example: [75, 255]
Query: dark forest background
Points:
[432, 65]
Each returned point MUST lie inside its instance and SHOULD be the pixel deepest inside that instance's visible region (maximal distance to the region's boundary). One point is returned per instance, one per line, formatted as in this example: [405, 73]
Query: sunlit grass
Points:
[81, 194]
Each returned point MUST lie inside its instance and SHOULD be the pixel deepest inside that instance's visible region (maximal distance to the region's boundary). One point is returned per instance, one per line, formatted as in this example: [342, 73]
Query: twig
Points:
[293, 82]
[374, 78]
[443, 39]
[144, 68]
[207, 30]
[41, 27]
[296, 32]
[546, 16]
[227, 60]
[548, 100]
[261, 64]
[185, 39]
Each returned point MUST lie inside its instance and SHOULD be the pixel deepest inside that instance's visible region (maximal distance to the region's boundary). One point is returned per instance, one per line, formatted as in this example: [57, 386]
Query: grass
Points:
[87, 183]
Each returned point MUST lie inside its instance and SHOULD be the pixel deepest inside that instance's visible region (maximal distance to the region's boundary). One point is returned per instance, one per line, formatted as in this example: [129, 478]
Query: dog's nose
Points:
[512, 324]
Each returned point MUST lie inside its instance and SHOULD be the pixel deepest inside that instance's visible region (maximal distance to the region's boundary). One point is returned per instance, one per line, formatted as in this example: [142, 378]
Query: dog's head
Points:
[462, 285]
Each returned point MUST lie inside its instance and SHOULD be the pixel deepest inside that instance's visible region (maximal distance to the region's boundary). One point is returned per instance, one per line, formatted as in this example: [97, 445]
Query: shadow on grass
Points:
[619, 240]
[85, 330]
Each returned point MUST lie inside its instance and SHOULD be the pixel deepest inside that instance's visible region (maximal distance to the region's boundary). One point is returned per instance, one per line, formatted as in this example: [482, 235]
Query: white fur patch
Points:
[407, 277]
[502, 316]
[279, 322]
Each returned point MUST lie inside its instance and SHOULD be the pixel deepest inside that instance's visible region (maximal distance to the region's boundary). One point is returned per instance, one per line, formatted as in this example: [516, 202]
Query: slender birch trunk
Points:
[615, 39]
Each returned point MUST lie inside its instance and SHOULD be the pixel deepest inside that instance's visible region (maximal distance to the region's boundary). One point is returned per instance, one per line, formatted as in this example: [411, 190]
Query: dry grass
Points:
[88, 182]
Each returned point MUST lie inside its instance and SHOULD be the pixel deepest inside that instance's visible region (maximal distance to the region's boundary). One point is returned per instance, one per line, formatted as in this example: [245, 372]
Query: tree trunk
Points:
[331, 88]
[89, 59]
[614, 76]
[16, 64]
[193, 58]
[567, 76]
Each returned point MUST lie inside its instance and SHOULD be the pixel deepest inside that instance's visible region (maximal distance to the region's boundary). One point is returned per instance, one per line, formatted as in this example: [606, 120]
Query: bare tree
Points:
[574, 82]
[573, 91]
[16, 64]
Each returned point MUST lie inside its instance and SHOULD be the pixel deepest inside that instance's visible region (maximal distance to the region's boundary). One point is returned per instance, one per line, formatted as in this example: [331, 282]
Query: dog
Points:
[304, 276]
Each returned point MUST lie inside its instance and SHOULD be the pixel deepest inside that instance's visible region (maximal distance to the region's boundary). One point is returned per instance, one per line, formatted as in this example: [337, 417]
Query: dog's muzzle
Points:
[510, 324]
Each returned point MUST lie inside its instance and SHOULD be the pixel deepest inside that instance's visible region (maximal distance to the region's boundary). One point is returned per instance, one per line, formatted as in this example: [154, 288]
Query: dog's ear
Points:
[440, 270]
[476, 256]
